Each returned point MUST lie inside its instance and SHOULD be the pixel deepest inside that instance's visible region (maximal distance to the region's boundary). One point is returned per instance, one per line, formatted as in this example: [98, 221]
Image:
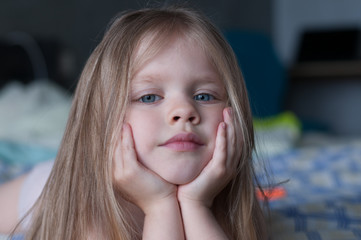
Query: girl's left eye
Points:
[150, 98]
[203, 97]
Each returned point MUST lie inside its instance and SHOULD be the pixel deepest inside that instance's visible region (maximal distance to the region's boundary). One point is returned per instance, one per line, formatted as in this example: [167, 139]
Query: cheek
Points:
[214, 118]
[144, 127]
[139, 121]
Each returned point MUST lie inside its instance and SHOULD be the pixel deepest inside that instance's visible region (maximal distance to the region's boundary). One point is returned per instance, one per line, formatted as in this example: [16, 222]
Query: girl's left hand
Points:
[218, 172]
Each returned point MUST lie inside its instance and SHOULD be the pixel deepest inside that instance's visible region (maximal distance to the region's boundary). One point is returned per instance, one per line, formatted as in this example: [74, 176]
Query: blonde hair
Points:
[79, 195]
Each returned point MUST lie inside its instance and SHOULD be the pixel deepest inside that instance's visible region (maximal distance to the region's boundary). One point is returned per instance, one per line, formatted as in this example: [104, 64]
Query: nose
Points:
[183, 112]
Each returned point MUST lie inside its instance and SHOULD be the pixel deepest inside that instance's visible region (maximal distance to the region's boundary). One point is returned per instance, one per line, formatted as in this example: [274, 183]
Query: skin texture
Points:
[169, 84]
[174, 184]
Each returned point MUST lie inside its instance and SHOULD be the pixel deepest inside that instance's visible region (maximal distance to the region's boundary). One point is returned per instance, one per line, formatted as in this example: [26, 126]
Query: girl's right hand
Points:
[139, 185]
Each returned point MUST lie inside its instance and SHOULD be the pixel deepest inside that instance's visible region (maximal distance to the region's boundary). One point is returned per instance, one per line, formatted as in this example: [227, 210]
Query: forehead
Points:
[152, 44]
[178, 57]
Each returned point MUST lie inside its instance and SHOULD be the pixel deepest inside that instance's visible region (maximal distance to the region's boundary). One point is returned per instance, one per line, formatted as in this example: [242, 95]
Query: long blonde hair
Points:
[79, 195]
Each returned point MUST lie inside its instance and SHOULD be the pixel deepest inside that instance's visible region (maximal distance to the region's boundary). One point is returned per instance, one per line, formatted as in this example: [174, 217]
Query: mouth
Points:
[184, 142]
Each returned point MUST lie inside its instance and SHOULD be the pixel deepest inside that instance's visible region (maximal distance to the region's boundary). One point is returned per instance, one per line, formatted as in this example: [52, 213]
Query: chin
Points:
[180, 179]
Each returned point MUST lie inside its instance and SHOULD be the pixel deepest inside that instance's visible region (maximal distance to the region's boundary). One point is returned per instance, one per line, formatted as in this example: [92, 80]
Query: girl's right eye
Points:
[150, 98]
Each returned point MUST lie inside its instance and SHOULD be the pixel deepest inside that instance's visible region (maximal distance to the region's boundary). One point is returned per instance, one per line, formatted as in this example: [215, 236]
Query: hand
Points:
[142, 186]
[218, 172]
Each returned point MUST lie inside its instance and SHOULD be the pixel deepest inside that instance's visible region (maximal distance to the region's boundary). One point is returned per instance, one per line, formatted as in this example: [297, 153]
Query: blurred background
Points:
[301, 60]
[298, 56]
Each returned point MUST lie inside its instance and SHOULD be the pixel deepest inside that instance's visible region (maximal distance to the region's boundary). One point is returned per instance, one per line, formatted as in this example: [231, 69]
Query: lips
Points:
[183, 142]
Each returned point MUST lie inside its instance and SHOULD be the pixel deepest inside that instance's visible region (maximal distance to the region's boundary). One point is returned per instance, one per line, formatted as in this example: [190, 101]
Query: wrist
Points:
[195, 203]
[163, 220]
[162, 205]
[195, 213]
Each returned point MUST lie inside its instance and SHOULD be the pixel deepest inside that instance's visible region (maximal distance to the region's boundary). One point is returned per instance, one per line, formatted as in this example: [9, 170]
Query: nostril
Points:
[190, 119]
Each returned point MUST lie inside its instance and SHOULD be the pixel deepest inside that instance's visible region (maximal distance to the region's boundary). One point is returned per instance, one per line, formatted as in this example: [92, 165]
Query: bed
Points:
[321, 176]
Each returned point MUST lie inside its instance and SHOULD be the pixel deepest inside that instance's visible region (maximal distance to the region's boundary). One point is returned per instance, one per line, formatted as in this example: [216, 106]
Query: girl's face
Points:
[177, 99]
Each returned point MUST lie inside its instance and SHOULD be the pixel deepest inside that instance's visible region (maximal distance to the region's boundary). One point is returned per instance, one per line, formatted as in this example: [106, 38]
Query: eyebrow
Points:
[146, 79]
[207, 77]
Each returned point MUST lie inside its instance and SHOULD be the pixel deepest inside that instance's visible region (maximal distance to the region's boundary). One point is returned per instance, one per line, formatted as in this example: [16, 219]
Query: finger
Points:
[231, 139]
[220, 150]
[131, 165]
[117, 157]
[129, 157]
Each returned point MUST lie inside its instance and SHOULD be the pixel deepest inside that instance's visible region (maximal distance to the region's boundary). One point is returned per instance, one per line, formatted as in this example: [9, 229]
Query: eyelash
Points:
[151, 98]
[144, 98]
[209, 97]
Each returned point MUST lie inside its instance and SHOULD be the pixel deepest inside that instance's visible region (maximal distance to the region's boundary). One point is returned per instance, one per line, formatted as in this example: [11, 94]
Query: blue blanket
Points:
[323, 192]
[18, 158]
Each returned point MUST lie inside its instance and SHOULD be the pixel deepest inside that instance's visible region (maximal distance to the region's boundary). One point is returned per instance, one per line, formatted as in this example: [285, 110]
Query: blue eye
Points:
[203, 97]
[150, 98]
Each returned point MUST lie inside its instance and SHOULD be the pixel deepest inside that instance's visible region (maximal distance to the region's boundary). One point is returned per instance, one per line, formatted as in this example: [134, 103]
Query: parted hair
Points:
[80, 196]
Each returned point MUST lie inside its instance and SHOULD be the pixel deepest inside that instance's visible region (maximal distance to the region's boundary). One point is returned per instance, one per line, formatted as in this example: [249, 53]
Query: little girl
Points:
[159, 140]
